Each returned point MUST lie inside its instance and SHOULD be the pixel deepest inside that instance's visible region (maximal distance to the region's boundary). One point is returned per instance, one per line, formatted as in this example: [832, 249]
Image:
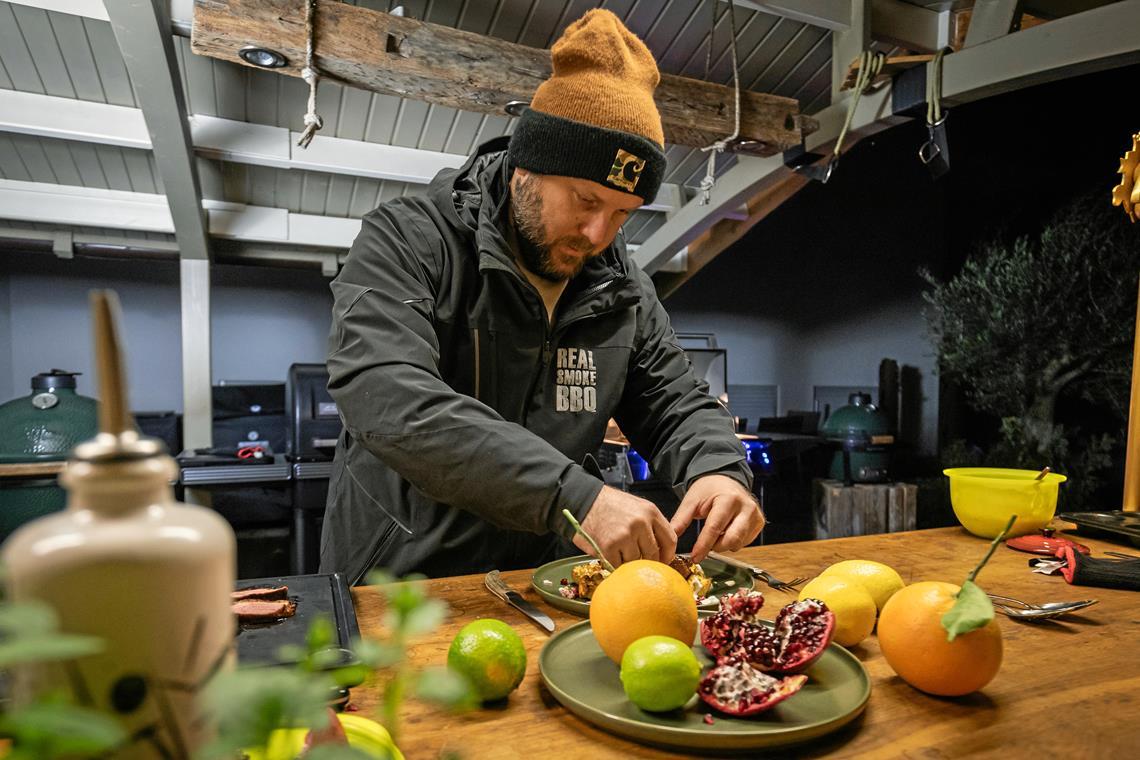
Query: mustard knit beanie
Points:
[595, 118]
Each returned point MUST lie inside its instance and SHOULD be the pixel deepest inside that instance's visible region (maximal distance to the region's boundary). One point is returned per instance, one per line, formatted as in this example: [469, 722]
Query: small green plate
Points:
[582, 678]
[548, 579]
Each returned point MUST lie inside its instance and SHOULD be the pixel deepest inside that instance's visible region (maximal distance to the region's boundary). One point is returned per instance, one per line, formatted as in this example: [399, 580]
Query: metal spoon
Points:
[1030, 615]
[1038, 611]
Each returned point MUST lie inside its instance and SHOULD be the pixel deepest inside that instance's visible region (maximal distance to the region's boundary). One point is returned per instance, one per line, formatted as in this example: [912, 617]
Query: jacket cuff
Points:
[738, 471]
[577, 491]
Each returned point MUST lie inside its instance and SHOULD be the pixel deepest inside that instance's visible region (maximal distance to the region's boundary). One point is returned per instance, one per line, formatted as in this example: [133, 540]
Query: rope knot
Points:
[309, 73]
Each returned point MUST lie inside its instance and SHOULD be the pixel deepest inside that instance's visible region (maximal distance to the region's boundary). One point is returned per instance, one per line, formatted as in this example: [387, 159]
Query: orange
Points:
[642, 598]
[914, 642]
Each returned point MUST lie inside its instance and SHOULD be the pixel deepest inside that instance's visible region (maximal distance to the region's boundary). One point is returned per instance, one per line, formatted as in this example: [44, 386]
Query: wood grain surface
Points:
[416, 59]
[1067, 688]
[31, 469]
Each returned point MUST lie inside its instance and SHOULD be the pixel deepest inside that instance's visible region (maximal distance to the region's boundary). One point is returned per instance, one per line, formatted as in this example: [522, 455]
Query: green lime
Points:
[491, 655]
[659, 673]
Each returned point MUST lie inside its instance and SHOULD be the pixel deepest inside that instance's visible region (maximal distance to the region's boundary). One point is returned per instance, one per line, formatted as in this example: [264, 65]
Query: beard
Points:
[536, 252]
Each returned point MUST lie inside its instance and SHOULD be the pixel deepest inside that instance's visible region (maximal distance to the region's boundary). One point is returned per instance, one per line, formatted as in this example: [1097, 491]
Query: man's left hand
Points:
[731, 513]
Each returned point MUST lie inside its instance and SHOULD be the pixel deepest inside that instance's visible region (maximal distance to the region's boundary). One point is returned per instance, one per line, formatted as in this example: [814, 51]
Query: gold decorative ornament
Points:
[1127, 193]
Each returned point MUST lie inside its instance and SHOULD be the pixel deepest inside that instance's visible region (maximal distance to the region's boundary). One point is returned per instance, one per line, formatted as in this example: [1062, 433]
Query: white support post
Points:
[142, 29]
[848, 45]
[197, 411]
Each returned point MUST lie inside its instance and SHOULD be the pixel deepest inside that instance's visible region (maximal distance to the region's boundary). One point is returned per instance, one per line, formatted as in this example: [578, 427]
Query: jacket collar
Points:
[475, 197]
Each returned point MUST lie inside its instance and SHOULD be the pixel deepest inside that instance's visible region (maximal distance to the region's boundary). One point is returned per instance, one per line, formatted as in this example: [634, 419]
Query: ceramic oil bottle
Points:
[128, 564]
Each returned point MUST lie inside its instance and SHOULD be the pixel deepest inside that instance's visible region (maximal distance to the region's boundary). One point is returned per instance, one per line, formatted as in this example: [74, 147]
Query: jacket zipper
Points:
[478, 374]
[547, 349]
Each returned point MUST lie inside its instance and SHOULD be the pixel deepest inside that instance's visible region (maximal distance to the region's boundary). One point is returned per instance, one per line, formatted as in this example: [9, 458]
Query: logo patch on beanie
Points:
[626, 170]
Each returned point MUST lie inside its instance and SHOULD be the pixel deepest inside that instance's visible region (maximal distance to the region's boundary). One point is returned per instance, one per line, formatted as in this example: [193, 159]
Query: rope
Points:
[930, 149]
[870, 64]
[934, 89]
[719, 146]
[313, 121]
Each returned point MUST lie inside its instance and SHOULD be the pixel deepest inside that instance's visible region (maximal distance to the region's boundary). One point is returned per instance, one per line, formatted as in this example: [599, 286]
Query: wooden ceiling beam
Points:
[438, 64]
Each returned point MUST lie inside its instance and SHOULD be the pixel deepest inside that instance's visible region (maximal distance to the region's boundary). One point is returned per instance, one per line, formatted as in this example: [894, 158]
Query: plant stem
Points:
[974, 573]
[394, 689]
[589, 539]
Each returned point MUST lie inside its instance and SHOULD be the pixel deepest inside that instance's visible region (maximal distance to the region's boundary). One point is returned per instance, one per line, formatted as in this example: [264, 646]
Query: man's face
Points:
[565, 221]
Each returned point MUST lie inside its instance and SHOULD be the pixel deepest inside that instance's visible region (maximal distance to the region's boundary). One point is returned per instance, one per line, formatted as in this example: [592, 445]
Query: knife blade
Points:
[735, 562]
[498, 587]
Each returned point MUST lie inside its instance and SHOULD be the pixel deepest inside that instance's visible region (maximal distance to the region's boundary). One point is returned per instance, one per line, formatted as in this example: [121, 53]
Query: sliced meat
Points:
[260, 592]
[263, 610]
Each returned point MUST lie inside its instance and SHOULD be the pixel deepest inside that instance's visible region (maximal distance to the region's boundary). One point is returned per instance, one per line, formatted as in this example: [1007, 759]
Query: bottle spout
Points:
[118, 438]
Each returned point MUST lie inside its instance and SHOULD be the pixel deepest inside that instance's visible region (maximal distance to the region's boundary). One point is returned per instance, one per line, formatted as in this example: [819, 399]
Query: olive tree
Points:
[1031, 321]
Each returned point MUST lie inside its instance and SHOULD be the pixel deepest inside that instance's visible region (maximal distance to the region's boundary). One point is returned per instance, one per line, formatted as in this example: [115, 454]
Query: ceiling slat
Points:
[62, 162]
[77, 56]
[48, 61]
[138, 165]
[110, 161]
[11, 164]
[109, 62]
[15, 53]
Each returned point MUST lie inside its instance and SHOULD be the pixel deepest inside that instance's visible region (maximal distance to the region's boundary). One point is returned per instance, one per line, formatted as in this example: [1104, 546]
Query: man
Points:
[483, 336]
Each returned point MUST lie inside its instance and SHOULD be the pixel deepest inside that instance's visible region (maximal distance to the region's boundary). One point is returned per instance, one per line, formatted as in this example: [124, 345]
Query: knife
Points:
[497, 586]
[755, 571]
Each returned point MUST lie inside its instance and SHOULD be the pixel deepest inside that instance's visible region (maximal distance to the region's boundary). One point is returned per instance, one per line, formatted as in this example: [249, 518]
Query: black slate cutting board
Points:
[319, 595]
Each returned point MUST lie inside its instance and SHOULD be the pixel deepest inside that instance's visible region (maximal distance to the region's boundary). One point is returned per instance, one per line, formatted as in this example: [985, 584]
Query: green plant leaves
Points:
[28, 634]
[973, 610]
[446, 687]
[47, 730]
[250, 704]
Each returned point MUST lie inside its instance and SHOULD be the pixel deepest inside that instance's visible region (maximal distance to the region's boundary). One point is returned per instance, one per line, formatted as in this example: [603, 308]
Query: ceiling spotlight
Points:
[263, 57]
[516, 107]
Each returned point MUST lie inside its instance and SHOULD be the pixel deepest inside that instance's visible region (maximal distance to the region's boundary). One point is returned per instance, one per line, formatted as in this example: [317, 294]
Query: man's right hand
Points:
[627, 527]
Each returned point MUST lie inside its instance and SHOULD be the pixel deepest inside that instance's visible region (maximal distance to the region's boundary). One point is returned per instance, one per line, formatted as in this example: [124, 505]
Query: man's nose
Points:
[595, 227]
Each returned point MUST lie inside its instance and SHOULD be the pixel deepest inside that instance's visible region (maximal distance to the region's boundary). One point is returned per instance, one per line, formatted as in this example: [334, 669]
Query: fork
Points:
[764, 575]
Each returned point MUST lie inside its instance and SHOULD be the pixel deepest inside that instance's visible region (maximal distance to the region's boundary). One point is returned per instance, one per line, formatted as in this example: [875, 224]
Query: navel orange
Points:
[914, 642]
[642, 598]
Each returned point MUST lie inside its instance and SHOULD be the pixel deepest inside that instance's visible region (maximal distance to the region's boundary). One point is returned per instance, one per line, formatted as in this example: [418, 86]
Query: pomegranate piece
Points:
[802, 633]
[736, 688]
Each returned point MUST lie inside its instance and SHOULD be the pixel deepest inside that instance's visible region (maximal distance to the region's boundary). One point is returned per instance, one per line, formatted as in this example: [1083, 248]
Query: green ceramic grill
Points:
[864, 437]
[41, 427]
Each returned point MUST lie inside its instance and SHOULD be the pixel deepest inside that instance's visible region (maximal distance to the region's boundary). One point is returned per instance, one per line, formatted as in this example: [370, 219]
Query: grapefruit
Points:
[914, 642]
[642, 598]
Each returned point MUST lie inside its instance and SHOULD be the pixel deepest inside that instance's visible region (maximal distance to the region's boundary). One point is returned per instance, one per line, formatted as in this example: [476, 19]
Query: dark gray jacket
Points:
[466, 415]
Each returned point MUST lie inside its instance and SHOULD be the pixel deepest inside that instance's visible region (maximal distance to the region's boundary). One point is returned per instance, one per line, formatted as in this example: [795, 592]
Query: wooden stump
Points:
[863, 509]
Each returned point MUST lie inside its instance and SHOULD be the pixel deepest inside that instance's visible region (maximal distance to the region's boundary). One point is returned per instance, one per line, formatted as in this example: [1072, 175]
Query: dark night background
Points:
[833, 250]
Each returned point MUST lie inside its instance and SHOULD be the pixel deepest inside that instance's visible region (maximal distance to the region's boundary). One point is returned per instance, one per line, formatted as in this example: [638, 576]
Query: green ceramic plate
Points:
[547, 580]
[582, 678]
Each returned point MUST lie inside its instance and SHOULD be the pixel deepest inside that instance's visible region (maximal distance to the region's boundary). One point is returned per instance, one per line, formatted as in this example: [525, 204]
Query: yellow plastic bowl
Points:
[984, 497]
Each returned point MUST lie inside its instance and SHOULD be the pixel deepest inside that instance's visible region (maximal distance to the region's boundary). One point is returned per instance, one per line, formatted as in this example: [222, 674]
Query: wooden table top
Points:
[1067, 688]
